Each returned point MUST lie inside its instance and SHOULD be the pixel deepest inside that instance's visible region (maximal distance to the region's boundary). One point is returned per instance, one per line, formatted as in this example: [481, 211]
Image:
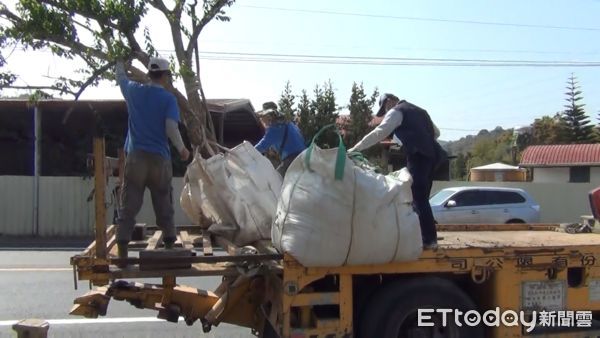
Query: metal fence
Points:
[63, 208]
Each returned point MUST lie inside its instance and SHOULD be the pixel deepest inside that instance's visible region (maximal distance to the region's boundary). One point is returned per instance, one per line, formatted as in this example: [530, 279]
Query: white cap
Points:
[158, 64]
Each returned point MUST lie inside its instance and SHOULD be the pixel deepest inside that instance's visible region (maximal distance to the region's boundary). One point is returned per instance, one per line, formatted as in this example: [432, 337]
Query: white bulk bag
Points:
[333, 213]
[239, 190]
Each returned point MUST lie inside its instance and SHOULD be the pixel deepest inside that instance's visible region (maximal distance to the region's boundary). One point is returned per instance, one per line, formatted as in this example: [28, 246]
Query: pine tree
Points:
[306, 117]
[323, 104]
[360, 114]
[577, 127]
[286, 102]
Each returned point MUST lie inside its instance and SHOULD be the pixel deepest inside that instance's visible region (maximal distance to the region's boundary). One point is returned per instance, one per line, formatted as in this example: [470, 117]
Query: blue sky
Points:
[461, 100]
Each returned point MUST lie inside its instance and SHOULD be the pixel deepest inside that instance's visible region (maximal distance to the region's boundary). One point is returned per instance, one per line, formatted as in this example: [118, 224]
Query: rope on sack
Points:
[352, 221]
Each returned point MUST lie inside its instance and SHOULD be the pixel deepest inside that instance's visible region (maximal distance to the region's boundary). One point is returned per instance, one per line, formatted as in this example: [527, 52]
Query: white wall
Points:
[595, 175]
[551, 175]
[64, 210]
[16, 205]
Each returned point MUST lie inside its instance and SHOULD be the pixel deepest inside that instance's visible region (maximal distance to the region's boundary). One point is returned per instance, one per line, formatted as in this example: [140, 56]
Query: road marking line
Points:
[92, 321]
[49, 248]
[34, 269]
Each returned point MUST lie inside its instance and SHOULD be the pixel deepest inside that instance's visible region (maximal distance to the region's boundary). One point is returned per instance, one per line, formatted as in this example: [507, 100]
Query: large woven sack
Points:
[333, 213]
[238, 189]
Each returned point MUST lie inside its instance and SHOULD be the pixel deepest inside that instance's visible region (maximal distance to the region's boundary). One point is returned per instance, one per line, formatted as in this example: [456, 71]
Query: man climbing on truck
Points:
[417, 133]
[282, 135]
[153, 117]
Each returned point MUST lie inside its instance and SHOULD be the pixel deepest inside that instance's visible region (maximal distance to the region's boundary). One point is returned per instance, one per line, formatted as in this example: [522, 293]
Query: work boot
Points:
[123, 254]
[169, 242]
[432, 245]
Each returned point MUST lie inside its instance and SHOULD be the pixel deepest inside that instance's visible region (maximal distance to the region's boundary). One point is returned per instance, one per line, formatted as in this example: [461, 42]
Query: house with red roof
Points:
[573, 163]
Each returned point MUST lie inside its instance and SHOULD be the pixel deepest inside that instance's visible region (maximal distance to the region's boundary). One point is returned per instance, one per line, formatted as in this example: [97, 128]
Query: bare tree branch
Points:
[160, 5]
[86, 27]
[174, 23]
[214, 10]
[4, 12]
[86, 84]
[62, 90]
[178, 7]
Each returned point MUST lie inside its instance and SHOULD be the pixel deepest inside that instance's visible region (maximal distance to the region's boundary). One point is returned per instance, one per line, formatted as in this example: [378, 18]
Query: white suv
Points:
[484, 205]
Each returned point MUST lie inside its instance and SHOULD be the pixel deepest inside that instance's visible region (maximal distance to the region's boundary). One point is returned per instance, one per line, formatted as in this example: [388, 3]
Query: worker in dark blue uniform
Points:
[413, 127]
[284, 137]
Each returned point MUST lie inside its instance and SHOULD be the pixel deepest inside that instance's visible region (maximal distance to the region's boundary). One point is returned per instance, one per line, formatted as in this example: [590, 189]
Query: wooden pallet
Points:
[196, 253]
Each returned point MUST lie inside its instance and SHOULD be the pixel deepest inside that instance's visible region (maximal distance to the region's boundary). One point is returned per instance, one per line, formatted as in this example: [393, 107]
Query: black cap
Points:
[269, 108]
[269, 105]
[382, 101]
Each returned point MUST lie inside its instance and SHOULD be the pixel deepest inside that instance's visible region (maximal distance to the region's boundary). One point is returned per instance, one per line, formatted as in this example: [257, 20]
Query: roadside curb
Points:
[23, 242]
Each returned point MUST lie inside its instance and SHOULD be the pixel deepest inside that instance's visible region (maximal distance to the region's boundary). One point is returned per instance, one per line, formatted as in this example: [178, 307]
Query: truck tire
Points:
[393, 311]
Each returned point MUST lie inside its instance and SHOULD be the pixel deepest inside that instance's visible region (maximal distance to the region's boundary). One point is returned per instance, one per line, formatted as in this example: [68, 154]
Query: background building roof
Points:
[496, 167]
[561, 155]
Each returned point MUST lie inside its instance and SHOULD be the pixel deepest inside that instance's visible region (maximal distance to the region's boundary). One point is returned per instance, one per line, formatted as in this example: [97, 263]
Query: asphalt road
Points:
[39, 284]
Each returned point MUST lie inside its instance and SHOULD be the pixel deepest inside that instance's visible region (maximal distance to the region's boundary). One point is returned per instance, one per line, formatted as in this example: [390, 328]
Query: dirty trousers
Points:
[144, 169]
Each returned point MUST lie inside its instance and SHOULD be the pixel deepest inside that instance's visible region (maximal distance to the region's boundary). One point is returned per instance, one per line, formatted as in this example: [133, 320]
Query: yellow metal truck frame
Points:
[503, 268]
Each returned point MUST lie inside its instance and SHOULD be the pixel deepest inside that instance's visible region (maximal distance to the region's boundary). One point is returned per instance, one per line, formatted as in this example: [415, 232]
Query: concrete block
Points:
[32, 328]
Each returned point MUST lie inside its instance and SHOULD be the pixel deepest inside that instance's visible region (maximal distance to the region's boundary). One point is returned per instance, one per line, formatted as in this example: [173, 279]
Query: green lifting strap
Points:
[340, 162]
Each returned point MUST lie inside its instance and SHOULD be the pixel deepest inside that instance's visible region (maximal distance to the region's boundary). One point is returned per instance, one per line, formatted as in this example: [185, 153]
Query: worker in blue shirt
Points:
[153, 120]
[284, 137]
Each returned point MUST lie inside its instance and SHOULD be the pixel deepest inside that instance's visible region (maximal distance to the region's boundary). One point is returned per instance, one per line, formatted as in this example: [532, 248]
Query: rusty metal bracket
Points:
[92, 304]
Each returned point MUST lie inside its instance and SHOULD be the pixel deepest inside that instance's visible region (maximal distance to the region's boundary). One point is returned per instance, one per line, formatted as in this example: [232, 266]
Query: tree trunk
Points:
[194, 116]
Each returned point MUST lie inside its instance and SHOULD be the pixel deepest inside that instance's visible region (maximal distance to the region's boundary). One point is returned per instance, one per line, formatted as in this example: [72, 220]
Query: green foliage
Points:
[360, 108]
[6, 78]
[38, 95]
[325, 113]
[547, 130]
[577, 126]
[100, 32]
[458, 168]
[489, 150]
[286, 102]
[306, 117]
[465, 144]
[316, 112]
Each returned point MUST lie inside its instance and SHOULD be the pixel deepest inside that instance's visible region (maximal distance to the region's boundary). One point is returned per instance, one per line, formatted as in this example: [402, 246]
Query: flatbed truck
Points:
[536, 280]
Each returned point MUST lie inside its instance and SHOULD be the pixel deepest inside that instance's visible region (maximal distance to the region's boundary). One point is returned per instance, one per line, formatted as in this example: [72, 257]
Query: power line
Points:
[380, 61]
[387, 61]
[338, 57]
[414, 18]
[397, 63]
[363, 47]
